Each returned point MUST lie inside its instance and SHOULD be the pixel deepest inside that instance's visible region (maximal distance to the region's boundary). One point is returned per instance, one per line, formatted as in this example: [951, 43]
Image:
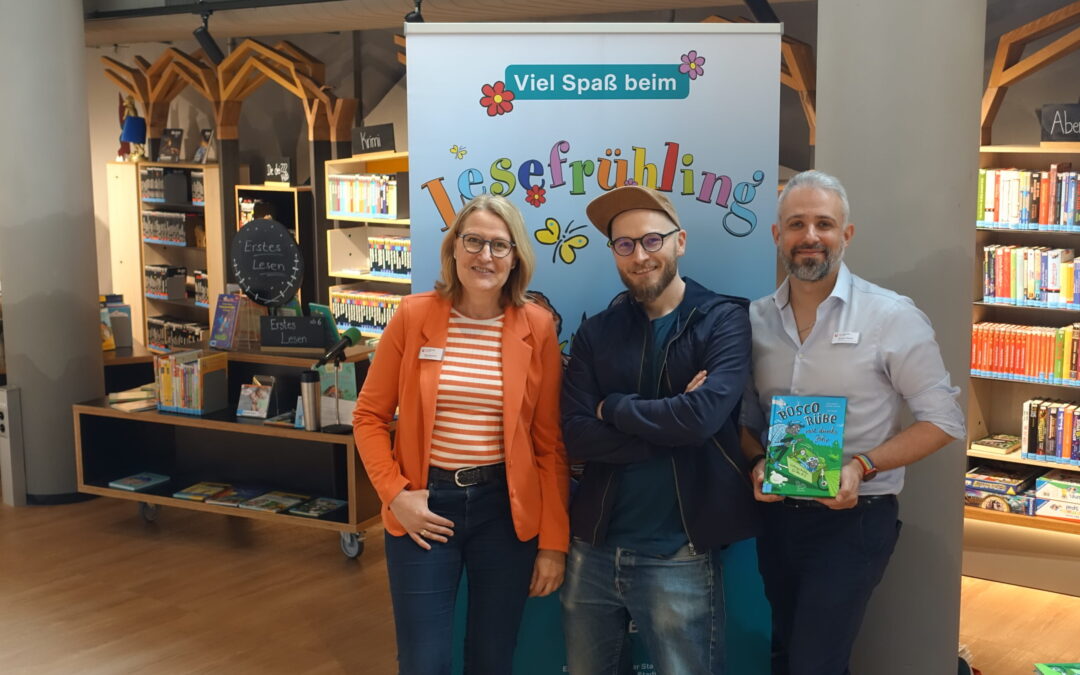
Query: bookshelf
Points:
[218, 446]
[294, 207]
[190, 208]
[995, 401]
[366, 214]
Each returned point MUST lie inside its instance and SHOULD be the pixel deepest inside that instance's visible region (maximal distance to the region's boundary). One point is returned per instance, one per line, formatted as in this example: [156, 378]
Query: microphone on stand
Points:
[348, 339]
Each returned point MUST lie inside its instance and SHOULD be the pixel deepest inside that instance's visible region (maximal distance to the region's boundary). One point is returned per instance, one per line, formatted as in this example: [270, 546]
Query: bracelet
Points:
[868, 468]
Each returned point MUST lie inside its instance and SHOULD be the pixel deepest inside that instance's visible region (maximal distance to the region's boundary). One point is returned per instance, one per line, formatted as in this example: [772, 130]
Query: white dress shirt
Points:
[868, 344]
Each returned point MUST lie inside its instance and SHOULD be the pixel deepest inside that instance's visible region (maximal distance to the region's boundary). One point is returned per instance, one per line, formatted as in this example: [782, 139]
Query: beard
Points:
[645, 292]
[812, 269]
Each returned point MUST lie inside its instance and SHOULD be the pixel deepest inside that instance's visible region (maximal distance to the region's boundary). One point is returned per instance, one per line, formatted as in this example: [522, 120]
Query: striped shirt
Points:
[468, 408]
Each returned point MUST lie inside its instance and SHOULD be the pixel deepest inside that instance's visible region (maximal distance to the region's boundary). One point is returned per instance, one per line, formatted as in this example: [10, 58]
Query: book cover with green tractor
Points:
[806, 446]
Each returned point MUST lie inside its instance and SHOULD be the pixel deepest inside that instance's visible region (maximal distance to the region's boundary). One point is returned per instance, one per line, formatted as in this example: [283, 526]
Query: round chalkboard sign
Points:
[266, 262]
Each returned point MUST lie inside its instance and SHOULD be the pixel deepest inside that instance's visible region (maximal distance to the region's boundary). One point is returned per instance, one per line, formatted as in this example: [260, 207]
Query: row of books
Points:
[1025, 490]
[390, 256]
[166, 333]
[152, 185]
[1042, 354]
[1050, 431]
[193, 382]
[1031, 276]
[359, 195]
[245, 497]
[368, 311]
[165, 282]
[1029, 200]
[173, 229]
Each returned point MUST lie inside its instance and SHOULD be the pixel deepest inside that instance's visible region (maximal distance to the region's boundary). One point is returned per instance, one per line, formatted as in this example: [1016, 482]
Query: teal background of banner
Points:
[541, 649]
[519, 77]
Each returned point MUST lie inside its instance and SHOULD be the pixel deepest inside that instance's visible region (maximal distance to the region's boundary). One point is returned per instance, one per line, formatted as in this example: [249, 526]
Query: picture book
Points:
[225, 319]
[275, 502]
[285, 419]
[201, 491]
[318, 507]
[1057, 668]
[139, 482]
[236, 495]
[805, 451]
[1007, 481]
[107, 341]
[140, 393]
[254, 400]
[329, 324]
[170, 145]
[137, 406]
[206, 137]
[1001, 444]
[338, 382]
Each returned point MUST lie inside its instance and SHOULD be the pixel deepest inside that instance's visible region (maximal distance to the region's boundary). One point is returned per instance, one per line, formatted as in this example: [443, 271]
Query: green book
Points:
[806, 446]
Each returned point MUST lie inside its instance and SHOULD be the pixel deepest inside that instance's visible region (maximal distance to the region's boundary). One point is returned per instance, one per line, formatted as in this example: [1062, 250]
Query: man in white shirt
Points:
[827, 332]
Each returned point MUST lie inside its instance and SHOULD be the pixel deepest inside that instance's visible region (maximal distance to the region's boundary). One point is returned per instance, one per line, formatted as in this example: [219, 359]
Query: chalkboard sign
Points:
[292, 332]
[266, 262]
[378, 138]
[1061, 122]
[279, 170]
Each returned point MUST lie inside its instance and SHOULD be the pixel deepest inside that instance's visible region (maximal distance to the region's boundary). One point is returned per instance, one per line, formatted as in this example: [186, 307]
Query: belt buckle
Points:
[458, 481]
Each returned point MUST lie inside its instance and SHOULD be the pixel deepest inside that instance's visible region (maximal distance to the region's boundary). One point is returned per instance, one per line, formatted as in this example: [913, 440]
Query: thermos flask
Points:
[309, 397]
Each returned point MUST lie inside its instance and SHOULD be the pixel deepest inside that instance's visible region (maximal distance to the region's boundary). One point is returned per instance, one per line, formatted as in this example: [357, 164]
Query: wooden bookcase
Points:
[294, 207]
[995, 404]
[110, 444]
[130, 253]
[347, 243]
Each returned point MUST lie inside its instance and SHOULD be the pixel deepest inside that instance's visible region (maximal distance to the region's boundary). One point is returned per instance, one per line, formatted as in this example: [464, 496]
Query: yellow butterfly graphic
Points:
[458, 151]
[552, 235]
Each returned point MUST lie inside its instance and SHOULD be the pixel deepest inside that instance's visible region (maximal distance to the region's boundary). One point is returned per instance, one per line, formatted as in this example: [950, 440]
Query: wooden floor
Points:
[91, 588]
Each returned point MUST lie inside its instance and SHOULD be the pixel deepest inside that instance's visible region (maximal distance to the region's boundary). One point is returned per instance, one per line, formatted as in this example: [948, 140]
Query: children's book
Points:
[169, 150]
[1057, 668]
[200, 492]
[806, 446]
[139, 482]
[275, 502]
[338, 382]
[318, 507]
[236, 495]
[225, 320]
[1001, 444]
[254, 400]
[137, 406]
[140, 393]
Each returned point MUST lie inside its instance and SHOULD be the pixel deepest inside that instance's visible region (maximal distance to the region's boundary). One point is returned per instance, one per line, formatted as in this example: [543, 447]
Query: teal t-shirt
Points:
[645, 517]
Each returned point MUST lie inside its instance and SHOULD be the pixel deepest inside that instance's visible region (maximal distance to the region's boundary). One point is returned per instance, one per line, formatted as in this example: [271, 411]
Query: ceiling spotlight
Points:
[415, 16]
[202, 34]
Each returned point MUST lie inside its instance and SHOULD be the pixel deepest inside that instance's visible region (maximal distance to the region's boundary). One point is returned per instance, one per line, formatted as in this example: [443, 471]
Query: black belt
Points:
[864, 500]
[469, 476]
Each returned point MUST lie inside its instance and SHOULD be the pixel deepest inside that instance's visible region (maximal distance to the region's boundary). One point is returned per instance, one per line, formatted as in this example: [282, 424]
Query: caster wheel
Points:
[352, 545]
[149, 512]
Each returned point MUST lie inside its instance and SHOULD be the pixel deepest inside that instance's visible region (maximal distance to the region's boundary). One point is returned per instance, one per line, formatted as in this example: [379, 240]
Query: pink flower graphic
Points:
[497, 99]
[692, 64]
[535, 196]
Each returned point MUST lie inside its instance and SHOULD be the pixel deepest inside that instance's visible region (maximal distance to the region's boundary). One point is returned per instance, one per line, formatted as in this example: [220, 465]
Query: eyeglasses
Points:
[500, 248]
[651, 242]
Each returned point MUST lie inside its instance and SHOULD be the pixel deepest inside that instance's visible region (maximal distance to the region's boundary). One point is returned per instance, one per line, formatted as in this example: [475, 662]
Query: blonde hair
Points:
[514, 290]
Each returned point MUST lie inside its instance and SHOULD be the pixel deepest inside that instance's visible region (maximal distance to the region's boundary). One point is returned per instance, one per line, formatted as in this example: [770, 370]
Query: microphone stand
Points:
[338, 427]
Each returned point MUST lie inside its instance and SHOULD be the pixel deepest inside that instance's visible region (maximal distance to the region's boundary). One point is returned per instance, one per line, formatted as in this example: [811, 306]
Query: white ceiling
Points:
[347, 15]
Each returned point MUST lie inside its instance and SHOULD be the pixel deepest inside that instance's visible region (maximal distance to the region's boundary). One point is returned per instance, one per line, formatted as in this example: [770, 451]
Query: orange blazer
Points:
[536, 470]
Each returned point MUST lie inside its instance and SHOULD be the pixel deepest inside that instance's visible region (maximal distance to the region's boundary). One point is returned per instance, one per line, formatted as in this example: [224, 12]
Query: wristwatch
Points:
[868, 468]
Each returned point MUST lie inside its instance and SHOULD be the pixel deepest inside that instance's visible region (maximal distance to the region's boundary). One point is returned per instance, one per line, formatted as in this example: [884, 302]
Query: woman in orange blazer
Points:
[475, 477]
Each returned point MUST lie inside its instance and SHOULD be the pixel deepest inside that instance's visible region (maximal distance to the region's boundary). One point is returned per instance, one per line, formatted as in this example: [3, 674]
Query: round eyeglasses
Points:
[500, 248]
[651, 242]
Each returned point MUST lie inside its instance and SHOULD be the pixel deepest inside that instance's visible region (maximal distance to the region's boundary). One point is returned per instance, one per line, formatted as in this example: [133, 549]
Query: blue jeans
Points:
[424, 584]
[820, 567]
[676, 601]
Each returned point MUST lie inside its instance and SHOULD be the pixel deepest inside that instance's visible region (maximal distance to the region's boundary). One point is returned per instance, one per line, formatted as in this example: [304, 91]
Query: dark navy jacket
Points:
[711, 333]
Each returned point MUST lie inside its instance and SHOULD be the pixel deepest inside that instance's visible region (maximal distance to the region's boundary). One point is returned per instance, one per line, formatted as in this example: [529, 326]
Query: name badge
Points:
[845, 338]
[431, 354]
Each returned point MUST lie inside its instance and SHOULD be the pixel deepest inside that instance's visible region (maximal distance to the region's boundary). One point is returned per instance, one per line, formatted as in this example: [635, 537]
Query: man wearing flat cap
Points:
[650, 405]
